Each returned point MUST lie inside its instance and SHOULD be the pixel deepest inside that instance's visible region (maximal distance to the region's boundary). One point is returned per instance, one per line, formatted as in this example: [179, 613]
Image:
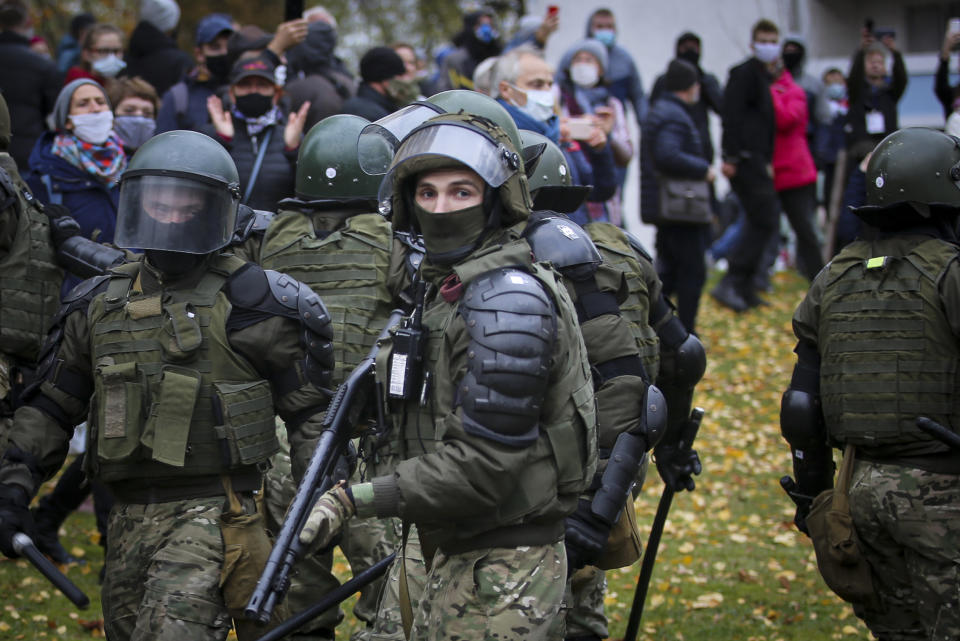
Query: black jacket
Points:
[711, 98]
[748, 120]
[154, 56]
[30, 85]
[369, 103]
[864, 97]
[669, 145]
[278, 171]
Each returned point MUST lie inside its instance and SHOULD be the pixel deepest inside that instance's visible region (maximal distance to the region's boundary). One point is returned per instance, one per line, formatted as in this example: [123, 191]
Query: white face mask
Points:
[109, 66]
[766, 52]
[93, 127]
[539, 103]
[584, 74]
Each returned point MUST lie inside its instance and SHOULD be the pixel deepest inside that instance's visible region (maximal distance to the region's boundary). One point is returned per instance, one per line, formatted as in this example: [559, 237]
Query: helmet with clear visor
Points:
[180, 193]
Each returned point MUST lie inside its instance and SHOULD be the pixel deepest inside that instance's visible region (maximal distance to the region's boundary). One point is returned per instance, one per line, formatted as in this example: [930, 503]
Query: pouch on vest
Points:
[624, 544]
[247, 424]
[835, 540]
[181, 332]
[574, 473]
[120, 391]
[168, 424]
[246, 549]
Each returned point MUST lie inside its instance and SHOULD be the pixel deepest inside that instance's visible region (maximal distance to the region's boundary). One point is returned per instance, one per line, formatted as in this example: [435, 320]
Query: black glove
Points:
[585, 538]
[14, 517]
[62, 224]
[677, 466]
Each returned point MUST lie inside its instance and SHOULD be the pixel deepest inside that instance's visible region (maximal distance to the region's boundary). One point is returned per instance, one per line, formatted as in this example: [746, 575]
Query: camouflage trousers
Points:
[389, 623]
[492, 594]
[582, 609]
[162, 579]
[908, 521]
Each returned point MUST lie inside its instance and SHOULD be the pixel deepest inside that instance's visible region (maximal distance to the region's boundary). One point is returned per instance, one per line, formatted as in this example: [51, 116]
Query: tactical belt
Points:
[508, 537]
[147, 492]
[946, 463]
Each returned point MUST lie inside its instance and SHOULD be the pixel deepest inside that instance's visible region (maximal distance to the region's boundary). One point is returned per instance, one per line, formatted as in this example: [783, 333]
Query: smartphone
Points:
[883, 32]
[581, 128]
[953, 25]
[553, 10]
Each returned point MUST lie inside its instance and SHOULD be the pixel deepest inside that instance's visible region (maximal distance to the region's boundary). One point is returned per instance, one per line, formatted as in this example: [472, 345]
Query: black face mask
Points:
[174, 264]
[792, 60]
[219, 68]
[690, 55]
[254, 105]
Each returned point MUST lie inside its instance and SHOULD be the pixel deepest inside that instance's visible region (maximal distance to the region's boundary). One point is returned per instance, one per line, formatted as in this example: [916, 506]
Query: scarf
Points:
[549, 128]
[104, 161]
[258, 124]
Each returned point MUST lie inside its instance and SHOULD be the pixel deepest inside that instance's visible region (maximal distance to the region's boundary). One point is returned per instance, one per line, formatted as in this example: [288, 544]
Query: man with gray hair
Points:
[319, 13]
[522, 83]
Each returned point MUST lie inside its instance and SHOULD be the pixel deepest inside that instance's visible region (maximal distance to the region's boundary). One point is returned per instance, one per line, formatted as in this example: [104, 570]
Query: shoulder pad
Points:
[637, 245]
[512, 325]
[7, 187]
[87, 289]
[417, 250]
[249, 222]
[565, 244]
[301, 300]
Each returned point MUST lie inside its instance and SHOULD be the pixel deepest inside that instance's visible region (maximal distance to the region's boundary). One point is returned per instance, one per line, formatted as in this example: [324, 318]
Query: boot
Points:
[727, 295]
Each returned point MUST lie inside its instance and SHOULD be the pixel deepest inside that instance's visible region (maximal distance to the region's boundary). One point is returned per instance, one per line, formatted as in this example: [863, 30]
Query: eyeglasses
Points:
[106, 51]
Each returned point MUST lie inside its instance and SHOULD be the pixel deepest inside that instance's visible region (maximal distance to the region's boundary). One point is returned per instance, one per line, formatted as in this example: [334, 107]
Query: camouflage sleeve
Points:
[273, 346]
[39, 437]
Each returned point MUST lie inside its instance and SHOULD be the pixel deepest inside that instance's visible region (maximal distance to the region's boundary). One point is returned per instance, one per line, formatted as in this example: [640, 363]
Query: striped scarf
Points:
[105, 161]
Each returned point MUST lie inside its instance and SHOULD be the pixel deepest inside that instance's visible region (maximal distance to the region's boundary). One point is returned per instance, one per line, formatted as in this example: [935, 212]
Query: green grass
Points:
[731, 565]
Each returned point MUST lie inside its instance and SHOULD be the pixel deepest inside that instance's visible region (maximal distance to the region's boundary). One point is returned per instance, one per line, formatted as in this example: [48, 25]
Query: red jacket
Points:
[792, 161]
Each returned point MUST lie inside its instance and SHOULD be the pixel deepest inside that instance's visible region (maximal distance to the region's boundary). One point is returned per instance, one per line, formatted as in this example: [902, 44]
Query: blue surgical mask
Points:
[606, 36]
[109, 66]
[486, 33]
[836, 91]
[766, 52]
[134, 130]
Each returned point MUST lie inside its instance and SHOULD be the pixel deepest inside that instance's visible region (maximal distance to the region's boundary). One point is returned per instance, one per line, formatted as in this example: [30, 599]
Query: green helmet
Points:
[180, 193]
[457, 141]
[4, 124]
[473, 102]
[910, 171]
[328, 167]
[551, 182]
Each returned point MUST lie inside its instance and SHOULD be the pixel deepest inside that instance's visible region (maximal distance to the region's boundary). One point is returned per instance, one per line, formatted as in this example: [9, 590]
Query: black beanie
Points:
[680, 76]
[381, 63]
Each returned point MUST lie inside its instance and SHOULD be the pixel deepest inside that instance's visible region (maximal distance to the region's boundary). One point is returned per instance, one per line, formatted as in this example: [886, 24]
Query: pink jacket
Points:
[792, 161]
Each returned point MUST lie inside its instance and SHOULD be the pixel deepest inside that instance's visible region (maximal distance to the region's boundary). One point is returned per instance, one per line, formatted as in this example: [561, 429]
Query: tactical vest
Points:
[888, 354]
[30, 278]
[348, 269]
[571, 460]
[172, 398]
[616, 251]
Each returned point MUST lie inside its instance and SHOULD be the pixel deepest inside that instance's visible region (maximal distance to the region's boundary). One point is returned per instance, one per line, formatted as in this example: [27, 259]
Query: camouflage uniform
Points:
[884, 316]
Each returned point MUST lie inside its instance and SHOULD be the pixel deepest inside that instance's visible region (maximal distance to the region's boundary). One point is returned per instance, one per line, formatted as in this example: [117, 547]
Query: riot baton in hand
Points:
[24, 546]
[331, 598]
[688, 434]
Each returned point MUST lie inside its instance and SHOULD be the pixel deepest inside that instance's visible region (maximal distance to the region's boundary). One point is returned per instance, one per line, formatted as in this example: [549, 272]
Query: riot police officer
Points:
[167, 353]
[496, 424]
[877, 348]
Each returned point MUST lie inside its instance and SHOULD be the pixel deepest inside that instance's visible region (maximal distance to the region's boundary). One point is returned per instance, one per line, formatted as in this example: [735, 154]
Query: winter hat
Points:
[381, 63]
[593, 47]
[61, 108]
[162, 14]
[680, 76]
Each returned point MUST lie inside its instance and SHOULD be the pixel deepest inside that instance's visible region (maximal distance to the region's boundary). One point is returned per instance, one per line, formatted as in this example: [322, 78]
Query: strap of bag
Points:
[406, 609]
[841, 500]
[257, 163]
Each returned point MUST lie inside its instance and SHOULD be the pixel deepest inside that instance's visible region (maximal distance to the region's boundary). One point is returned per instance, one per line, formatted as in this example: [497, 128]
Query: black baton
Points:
[24, 546]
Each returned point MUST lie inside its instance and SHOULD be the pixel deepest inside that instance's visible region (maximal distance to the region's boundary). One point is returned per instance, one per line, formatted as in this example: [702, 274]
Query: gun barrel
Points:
[25, 547]
[939, 432]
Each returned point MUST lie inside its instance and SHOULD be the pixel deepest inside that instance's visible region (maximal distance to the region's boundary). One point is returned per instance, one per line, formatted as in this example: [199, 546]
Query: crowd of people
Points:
[225, 236]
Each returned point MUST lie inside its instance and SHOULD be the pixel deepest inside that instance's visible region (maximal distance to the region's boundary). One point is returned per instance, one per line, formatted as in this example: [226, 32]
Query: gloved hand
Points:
[327, 518]
[585, 537]
[14, 517]
[62, 224]
[677, 466]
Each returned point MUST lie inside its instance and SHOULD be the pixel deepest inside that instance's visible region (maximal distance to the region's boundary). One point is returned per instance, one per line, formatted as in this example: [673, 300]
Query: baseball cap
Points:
[259, 65]
[212, 26]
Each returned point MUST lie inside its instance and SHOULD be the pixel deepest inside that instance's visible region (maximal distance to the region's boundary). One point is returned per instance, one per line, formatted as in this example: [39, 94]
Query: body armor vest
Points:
[616, 251]
[30, 278]
[172, 398]
[570, 457]
[887, 351]
[348, 269]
